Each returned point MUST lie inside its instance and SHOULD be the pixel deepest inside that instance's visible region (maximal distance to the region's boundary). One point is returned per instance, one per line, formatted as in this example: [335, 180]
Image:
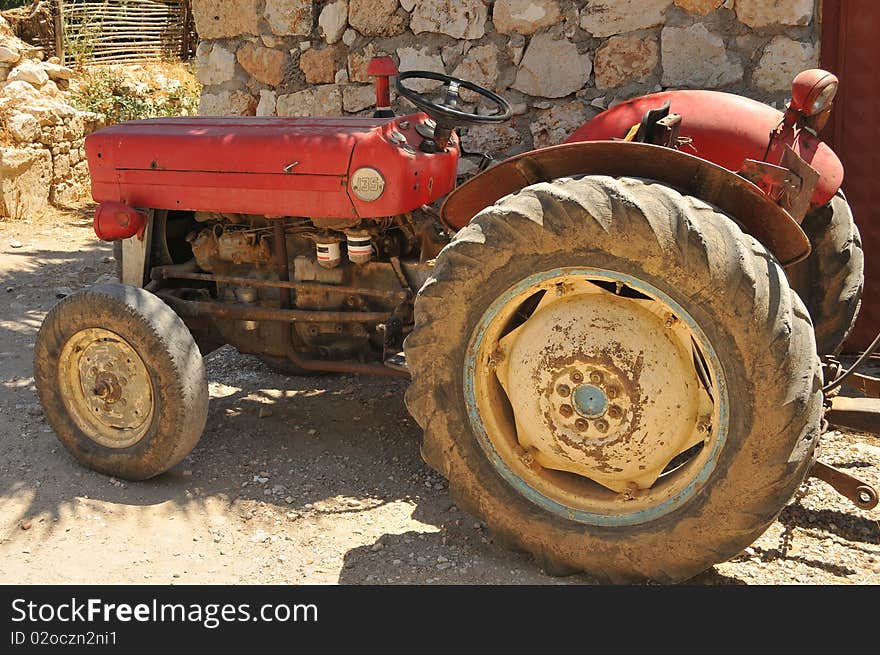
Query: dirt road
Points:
[298, 480]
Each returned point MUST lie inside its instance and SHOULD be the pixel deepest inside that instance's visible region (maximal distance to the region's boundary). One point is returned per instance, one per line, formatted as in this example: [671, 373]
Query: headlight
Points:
[823, 100]
[813, 91]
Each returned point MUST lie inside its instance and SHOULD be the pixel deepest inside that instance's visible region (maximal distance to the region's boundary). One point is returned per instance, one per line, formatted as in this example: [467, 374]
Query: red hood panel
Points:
[270, 166]
[322, 146]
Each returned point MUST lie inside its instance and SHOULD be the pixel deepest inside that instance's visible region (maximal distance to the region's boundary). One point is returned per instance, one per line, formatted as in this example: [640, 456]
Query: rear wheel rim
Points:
[106, 388]
[596, 396]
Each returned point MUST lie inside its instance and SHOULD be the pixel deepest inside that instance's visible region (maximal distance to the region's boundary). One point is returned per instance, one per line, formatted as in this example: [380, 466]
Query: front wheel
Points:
[121, 380]
[615, 377]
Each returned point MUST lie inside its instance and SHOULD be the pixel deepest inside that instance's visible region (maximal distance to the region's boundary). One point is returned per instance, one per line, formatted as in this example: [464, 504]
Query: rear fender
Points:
[725, 129]
[739, 198]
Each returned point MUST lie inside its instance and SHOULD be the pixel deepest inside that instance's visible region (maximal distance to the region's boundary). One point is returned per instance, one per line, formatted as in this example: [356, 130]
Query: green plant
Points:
[109, 92]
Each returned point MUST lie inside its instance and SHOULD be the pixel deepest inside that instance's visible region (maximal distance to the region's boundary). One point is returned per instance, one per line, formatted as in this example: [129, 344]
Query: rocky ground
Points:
[300, 480]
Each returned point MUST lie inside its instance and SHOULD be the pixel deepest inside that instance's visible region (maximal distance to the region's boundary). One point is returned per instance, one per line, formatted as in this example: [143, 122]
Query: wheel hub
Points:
[602, 386]
[107, 387]
[590, 401]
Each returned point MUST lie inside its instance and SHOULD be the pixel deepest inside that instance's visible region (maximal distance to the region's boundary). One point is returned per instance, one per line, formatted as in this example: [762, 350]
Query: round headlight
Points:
[813, 91]
[823, 100]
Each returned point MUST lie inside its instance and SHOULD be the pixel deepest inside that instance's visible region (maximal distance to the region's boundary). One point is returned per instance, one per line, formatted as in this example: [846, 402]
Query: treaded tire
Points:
[172, 360]
[831, 280]
[729, 283]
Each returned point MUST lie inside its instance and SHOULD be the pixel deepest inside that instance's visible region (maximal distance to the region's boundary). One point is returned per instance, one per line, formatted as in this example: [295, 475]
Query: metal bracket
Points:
[665, 132]
[859, 414]
[797, 201]
[862, 494]
[136, 254]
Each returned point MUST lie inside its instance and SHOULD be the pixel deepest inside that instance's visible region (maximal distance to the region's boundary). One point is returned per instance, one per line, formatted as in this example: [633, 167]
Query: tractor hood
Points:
[270, 166]
[725, 129]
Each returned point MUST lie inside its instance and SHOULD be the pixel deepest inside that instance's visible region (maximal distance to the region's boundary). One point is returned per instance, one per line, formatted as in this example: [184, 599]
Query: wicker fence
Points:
[108, 31]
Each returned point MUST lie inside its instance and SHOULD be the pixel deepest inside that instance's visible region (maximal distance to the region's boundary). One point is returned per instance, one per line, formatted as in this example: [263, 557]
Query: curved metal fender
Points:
[726, 129]
[739, 198]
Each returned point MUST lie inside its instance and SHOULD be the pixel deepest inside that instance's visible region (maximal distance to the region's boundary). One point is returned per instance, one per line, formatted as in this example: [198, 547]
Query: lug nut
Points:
[601, 426]
[563, 390]
[528, 458]
[577, 376]
[596, 377]
[612, 392]
[566, 410]
[581, 425]
[615, 412]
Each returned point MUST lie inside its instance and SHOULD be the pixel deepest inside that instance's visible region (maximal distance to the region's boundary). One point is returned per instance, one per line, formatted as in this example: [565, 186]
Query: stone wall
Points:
[558, 62]
[42, 156]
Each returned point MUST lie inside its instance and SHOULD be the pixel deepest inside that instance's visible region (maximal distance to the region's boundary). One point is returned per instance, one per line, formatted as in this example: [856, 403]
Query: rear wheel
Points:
[121, 380]
[615, 377]
[830, 281]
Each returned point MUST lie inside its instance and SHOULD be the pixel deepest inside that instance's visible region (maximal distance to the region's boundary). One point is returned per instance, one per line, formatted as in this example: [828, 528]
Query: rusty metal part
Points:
[797, 201]
[865, 356]
[106, 387]
[282, 267]
[868, 385]
[775, 181]
[398, 271]
[325, 365]
[278, 284]
[860, 414]
[863, 495]
[244, 312]
[747, 204]
[665, 132]
[216, 245]
[791, 183]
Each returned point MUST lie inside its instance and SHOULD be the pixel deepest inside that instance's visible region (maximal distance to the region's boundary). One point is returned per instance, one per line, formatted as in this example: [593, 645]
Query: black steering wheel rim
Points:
[444, 114]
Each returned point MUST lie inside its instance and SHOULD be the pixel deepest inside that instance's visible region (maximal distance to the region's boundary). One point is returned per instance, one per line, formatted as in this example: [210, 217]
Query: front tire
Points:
[642, 243]
[121, 380]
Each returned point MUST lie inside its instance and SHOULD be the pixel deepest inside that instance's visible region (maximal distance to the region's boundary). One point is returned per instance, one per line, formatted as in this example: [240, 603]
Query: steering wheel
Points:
[447, 114]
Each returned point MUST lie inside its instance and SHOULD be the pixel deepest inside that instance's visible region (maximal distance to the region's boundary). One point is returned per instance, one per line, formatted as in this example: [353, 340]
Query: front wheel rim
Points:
[596, 396]
[106, 388]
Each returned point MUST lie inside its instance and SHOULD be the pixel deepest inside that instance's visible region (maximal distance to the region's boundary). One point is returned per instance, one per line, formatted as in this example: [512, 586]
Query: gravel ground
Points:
[301, 480]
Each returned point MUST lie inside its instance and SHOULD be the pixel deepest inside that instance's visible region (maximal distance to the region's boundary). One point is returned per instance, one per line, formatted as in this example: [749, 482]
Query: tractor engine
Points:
[352, 281]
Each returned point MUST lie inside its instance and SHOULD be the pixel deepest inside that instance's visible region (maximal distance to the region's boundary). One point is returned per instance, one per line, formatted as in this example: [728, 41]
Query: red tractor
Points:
[614, 343]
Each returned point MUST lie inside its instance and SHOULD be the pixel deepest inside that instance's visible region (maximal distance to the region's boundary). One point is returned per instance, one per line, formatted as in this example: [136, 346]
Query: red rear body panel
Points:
[726, 129]
[267, 166]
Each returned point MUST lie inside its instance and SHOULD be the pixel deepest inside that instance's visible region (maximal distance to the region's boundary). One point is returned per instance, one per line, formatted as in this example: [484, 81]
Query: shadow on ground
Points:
[291, 450]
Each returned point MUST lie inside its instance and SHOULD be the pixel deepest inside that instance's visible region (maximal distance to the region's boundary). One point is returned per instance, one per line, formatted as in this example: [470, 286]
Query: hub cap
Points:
[590, 401]
[596, 395]
[106, 388]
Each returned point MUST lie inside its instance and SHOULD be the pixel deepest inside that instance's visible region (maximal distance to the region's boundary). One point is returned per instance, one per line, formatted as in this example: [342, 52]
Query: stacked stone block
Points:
[558, 62]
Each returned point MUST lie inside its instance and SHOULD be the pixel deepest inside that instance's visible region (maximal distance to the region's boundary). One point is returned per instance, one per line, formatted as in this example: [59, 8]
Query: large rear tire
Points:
[830, 281]
[633, 249]
[121, 380]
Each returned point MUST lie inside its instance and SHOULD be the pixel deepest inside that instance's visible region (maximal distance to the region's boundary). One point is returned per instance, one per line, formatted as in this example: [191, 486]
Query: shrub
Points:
[109, 92]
